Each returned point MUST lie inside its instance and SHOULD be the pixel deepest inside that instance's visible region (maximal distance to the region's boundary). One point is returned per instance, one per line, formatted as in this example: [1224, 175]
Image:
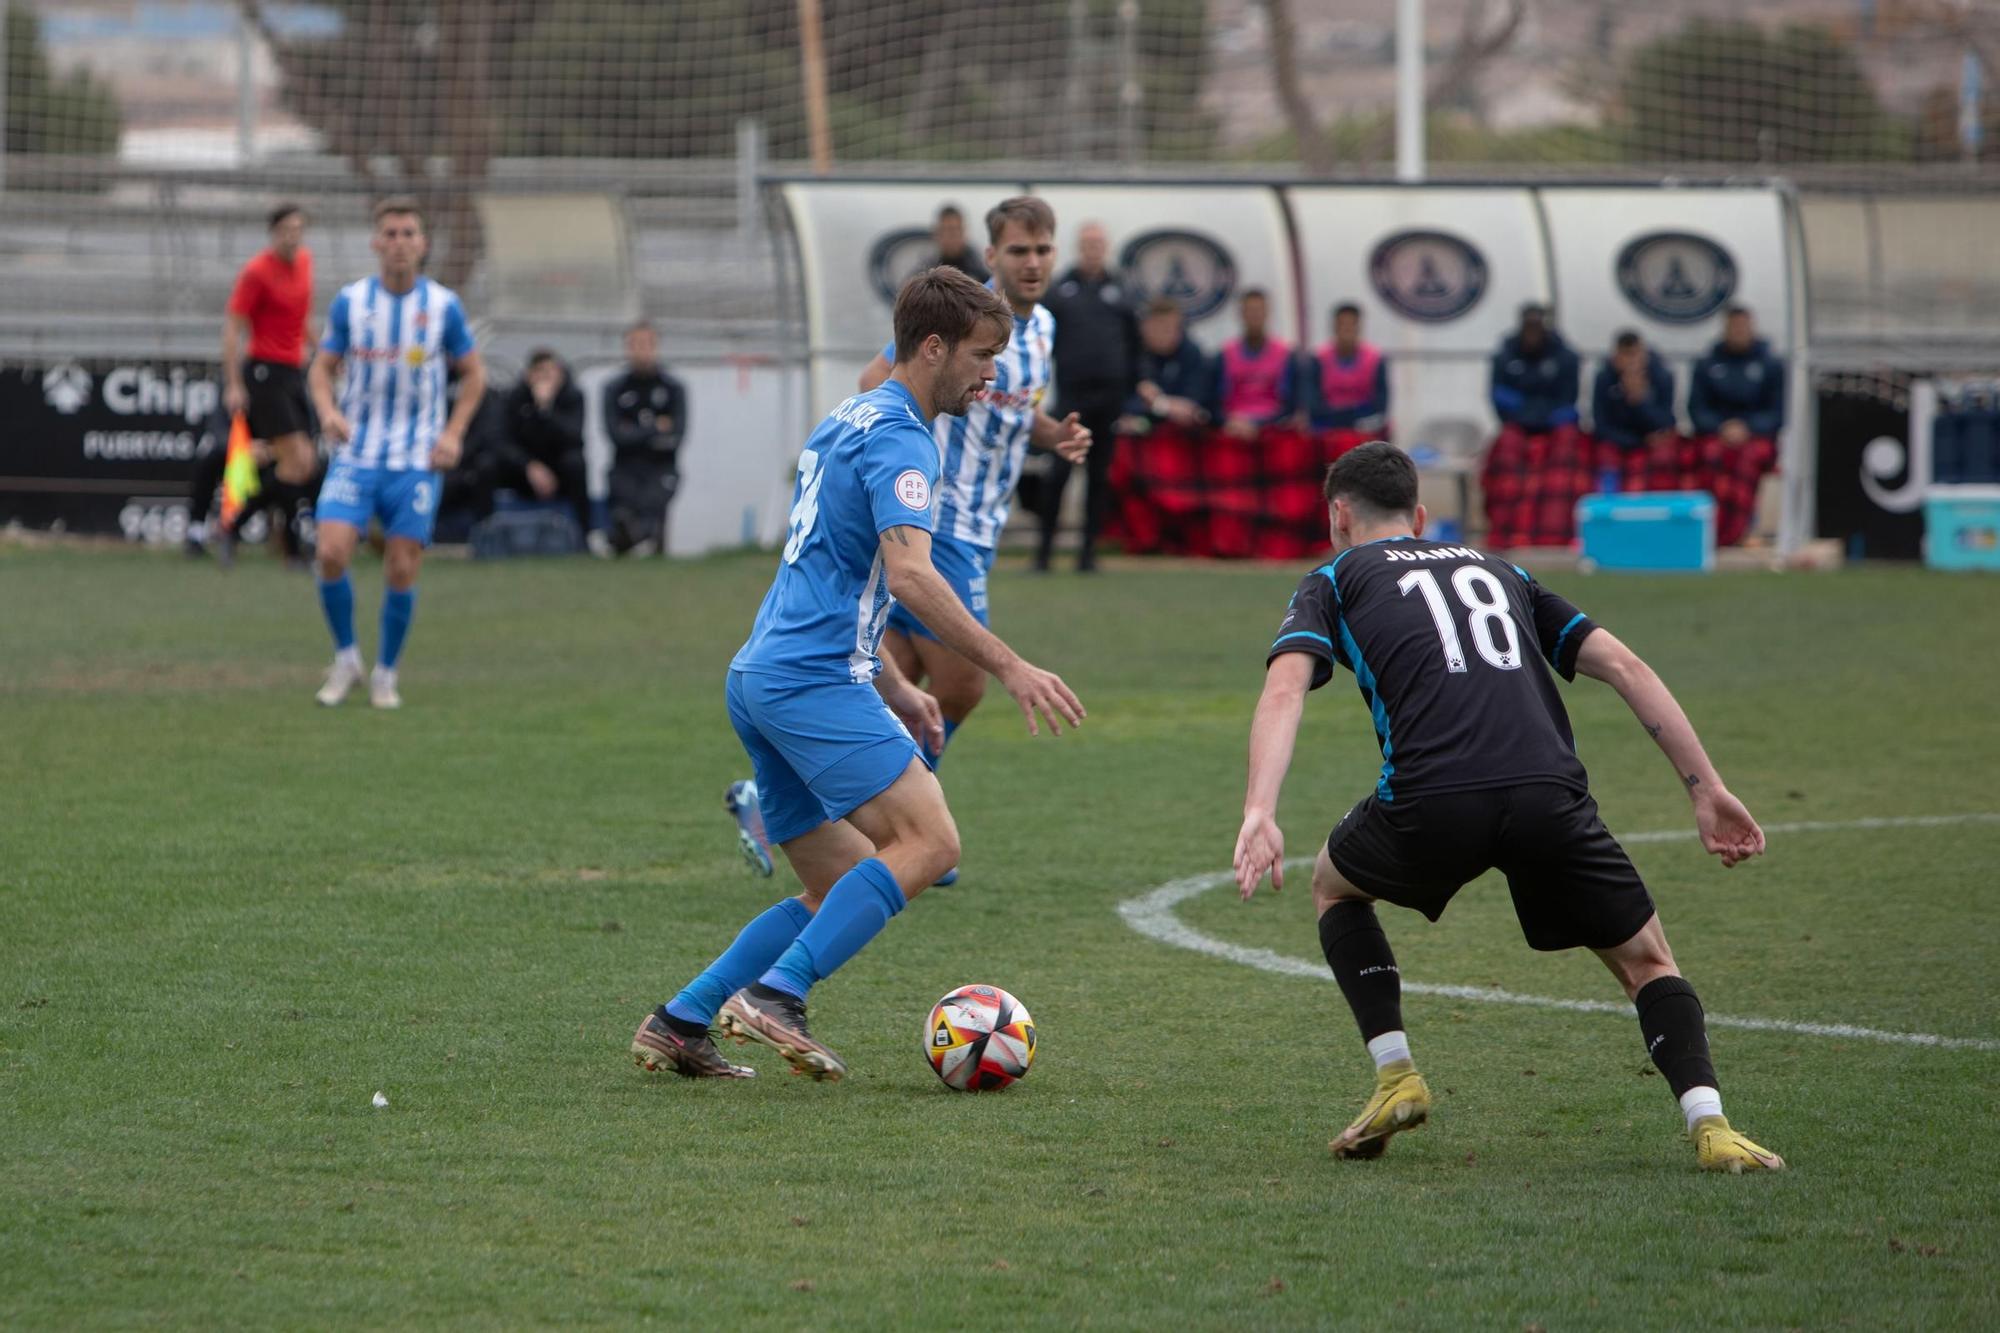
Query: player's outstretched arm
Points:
[913, 581]
[1725, 825]
[1260, 845]
[877, 371]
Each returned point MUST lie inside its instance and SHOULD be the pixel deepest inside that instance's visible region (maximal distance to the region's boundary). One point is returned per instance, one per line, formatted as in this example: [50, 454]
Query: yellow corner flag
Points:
[239, 470]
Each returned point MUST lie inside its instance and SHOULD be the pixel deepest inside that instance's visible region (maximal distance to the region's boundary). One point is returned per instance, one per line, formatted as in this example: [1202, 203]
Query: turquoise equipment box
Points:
[1655, 530]
[1962, 527]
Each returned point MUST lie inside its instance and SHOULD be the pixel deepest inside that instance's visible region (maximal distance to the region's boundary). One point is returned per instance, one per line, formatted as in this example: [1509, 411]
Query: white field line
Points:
[1152, 915]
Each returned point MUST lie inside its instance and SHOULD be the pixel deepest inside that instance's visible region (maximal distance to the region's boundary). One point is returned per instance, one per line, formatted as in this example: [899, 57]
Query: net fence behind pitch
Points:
[145, 142]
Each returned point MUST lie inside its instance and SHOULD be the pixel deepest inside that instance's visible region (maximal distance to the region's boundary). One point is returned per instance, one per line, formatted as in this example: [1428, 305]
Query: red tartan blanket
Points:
[1204, 493]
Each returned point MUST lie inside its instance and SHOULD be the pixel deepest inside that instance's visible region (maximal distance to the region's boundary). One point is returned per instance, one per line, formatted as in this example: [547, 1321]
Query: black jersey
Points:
[1447, 644]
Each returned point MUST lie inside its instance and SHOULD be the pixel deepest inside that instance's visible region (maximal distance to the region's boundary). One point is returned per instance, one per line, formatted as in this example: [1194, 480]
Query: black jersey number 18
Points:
[1490, 618]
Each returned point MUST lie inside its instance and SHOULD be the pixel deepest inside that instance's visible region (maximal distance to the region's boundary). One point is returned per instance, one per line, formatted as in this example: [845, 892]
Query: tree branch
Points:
[1315, 153]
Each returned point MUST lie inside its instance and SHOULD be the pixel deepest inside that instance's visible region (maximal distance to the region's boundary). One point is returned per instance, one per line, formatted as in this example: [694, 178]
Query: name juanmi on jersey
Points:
[1441, 553]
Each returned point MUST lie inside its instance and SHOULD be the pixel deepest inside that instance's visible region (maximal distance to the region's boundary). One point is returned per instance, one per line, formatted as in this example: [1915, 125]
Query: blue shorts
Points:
[965, 568]
[818, 749]
[406, 501]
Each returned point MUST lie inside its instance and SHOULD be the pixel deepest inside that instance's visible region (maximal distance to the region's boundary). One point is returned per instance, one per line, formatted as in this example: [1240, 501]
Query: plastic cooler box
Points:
[1654, 530]
[1962, 527]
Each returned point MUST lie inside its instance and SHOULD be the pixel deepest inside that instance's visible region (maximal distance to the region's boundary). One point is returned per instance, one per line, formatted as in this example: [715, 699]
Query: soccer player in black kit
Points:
[1452, 649]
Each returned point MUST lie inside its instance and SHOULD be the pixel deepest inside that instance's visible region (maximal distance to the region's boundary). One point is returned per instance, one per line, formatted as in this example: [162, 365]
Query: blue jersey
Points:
[397, 349]
[871, 466]
[982, 451]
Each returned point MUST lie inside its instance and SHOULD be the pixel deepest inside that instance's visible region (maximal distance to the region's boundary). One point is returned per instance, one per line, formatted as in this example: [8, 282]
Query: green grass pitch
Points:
[228, 918]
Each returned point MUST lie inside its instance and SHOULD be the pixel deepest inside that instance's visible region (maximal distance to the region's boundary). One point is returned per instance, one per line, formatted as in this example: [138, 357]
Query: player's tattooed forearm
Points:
[901, 537]
[1653, 729]
[1691, 780]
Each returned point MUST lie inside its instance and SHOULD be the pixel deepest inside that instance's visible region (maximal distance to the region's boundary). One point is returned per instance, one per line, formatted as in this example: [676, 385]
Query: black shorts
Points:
[278, 405]
[1573, 885]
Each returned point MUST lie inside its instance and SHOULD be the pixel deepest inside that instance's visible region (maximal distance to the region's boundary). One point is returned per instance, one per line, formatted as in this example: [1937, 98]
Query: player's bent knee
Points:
[945, 847]
[332, 560]
[1329, 886]
[402, 563]
[930, 852]
[1642, 959]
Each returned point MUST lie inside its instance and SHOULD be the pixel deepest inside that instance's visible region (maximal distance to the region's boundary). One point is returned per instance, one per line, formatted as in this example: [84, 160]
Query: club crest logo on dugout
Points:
[1676, 277]
[1430, 276]
[896, 257]
[1193, 270]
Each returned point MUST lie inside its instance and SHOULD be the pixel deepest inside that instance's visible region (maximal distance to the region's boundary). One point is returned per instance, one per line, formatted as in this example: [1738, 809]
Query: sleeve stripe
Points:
[1556, 657]
[1303, 634]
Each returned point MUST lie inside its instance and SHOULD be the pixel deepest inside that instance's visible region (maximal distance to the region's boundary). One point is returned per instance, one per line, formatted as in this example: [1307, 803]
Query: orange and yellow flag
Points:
[239, 470]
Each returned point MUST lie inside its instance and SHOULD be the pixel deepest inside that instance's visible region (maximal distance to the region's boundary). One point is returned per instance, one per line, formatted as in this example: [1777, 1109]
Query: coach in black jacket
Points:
[645, 413]
[1096, 354]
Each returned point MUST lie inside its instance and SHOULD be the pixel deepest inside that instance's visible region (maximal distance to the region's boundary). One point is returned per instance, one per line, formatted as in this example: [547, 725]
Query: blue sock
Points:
[398, 609]
[856, 908]
[938, 758]
[757, 946]
[337, 600]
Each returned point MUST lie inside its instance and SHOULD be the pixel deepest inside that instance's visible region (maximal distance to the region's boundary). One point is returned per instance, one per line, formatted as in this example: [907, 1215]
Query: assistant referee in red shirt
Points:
[271, 300]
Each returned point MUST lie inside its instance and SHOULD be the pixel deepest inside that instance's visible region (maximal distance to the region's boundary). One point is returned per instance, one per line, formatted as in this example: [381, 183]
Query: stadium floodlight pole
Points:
[1130, 91]
[812, 54]
[3, 98]
[749, 167]
[1074, 96]
[1409, 90]
[246, 94]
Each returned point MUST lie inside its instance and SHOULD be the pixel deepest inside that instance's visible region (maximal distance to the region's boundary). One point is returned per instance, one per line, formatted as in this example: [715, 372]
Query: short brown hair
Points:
[1377, 476]
[398, 204]
[1026, 209]
[945, 302]
[1163, 305]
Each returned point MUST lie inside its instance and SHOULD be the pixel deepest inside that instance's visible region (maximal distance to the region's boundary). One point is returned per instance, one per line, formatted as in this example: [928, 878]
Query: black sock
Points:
[1358, 952]
[686, 1027]
[1671, 1019]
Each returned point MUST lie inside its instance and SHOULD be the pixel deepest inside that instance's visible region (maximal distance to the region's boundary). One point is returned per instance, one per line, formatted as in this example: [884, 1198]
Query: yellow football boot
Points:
[1720, 1148]
[1401, 1101]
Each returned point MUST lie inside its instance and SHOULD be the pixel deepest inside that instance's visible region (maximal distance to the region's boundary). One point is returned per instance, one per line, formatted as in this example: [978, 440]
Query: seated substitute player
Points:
[1479, 769]
[982, 453]
[396, 334]
[830, 726]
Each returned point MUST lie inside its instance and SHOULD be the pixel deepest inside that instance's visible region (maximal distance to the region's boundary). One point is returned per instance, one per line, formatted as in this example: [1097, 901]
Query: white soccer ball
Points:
[979, 1039]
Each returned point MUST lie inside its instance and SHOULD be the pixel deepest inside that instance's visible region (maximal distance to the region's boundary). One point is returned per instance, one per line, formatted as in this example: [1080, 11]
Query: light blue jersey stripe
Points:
[1556, 657]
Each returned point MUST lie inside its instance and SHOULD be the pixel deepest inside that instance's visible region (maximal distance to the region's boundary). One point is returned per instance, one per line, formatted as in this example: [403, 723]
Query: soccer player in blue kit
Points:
[832, 727]
[395, 334]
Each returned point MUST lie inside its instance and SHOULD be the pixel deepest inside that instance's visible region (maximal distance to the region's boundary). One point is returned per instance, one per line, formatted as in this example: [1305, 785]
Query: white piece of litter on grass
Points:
[380, 1101]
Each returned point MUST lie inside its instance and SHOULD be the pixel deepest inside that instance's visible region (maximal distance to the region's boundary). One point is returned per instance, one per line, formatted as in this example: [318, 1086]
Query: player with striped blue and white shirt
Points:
[980, 456]
[395, 334]
[981, 453]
